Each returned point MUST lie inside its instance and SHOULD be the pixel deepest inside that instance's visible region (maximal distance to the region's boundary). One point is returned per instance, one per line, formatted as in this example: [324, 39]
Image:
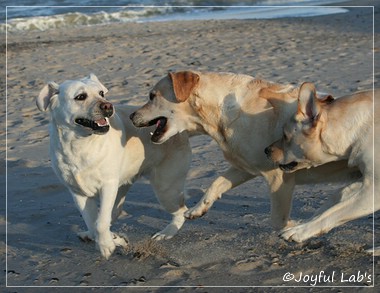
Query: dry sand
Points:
[234, 244]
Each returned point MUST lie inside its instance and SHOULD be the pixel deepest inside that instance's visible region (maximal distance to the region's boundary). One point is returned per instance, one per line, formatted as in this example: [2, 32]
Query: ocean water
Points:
[27, 15]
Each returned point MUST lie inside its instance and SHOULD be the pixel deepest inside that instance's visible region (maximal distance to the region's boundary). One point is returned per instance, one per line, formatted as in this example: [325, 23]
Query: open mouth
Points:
[288, 167]
[161, 123]
[99, 126]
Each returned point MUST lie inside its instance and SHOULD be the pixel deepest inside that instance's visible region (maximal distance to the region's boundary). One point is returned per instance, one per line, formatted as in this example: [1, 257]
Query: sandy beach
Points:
[234, 244]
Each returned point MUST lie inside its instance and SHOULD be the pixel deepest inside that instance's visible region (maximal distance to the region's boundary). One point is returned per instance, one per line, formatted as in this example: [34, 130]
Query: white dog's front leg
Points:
[232, 178]
[89, 211]
[106, 240]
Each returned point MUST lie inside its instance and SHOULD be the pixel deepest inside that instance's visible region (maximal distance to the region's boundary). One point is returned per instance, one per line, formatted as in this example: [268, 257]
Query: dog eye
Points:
[101, 93]
[81, 97]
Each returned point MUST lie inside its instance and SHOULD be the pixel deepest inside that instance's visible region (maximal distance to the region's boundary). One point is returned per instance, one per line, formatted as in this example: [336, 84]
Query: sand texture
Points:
[234, 244]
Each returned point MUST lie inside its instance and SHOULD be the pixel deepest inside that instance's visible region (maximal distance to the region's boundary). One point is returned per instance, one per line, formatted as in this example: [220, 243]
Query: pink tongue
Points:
[101, 122]
[158, 123]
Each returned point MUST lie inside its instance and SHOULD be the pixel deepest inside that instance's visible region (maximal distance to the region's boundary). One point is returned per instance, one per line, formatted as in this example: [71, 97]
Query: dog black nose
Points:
[107, 109]
[132, 115]
[106, 106]
[268, 151]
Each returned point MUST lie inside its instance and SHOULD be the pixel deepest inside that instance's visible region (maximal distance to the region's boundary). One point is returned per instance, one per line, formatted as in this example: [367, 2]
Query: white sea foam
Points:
[73, 19]
[159, 13]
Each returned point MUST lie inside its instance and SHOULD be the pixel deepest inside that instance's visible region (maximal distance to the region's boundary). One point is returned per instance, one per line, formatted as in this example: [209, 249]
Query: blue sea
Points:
[28, 15]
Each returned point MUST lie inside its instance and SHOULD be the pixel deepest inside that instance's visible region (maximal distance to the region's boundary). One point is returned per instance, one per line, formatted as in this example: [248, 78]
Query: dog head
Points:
[78, 105]
[301, 145]
[167, 107]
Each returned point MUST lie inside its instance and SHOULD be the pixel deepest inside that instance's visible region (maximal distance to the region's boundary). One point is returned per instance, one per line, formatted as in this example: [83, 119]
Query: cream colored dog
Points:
[237, 111]
[321, 132]
[98, 154]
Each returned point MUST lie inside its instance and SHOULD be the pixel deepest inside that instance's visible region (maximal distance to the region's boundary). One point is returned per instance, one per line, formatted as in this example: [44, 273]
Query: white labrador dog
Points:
[97, 153]
[320, 132]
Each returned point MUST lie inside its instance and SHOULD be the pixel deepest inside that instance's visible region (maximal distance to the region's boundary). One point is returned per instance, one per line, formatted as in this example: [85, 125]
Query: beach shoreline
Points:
[234, 244]
[26, 16]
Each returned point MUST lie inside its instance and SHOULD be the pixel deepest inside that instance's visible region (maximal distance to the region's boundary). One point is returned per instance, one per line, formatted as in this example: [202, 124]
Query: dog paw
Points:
[198, 211]
[167, 233]
[86, 236]
[106, 248]
[295, 234]
[108, 245]
[120, 240]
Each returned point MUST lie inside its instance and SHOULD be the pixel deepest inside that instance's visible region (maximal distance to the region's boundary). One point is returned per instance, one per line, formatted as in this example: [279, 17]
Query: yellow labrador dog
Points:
[237, 111]
[97, 153]
[324, 131]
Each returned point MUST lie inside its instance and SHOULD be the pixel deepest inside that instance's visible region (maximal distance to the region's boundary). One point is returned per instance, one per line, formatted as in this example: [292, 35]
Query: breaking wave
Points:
[73, 19]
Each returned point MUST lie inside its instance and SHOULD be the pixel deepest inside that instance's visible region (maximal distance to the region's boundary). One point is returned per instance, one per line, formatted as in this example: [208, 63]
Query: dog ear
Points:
[278, 96]
[183, 84]
[272, 97]
[93, 77]
[325, 98]
[48, 91]
[308, 104]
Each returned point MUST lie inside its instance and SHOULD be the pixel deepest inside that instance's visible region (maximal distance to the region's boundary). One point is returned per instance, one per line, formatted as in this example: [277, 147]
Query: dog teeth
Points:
[151, 133]
[102, 122]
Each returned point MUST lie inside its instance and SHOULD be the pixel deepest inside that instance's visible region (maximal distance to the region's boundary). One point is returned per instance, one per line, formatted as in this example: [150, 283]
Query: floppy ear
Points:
[278, 96]
[274, 98]
[48, 91]
[183, 84]
[325, 98]
[308, 105]
[93, 77]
